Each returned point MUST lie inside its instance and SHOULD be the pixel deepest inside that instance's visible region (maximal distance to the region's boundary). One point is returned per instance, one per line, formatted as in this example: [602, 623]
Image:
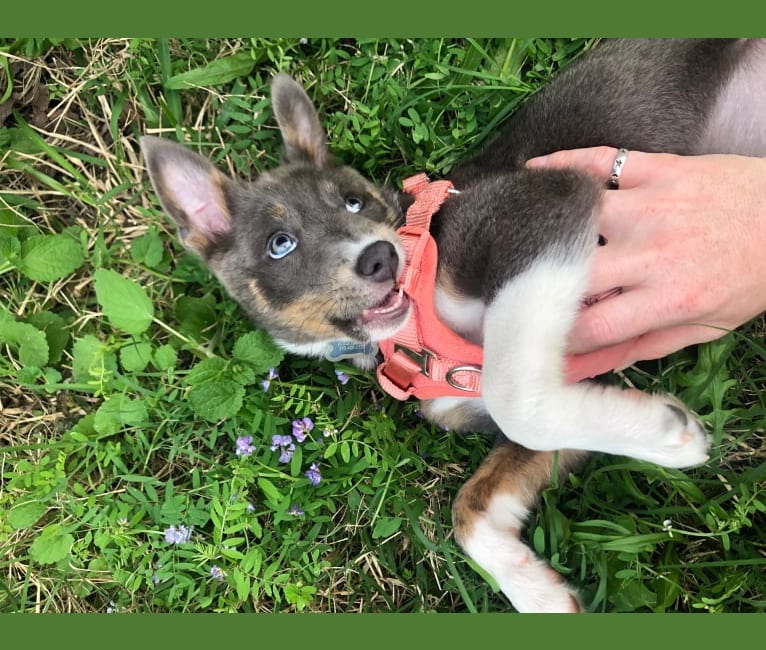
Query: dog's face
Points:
[308, 249]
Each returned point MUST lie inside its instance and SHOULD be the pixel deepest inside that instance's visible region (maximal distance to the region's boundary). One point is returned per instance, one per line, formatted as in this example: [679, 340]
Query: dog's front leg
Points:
[523, 385]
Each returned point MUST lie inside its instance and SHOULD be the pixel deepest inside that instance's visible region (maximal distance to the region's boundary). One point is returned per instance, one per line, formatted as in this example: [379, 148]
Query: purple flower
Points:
[301, 428]
[267, 382]
[342, 377]
[313, 475]
[180, 535]
[285, 446]
[295, 510]
[250, 507]
[245, 445]
[155, 575]
[217, 573]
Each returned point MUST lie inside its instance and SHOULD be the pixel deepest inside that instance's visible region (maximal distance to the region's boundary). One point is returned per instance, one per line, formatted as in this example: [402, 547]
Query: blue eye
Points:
[354, 204]
[281, 245]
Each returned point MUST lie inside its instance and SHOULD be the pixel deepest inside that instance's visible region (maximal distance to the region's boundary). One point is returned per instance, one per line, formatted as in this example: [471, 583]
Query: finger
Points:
[585, 366]
[661, 343]
[613, 321]
[625, 317]
[598, 161]
[654, 345]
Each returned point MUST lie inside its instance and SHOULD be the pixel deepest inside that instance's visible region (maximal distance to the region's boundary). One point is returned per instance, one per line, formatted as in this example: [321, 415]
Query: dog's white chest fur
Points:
[463, 315]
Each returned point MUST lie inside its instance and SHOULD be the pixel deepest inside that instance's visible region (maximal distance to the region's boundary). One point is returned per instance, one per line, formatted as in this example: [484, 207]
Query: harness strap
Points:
[426, 359]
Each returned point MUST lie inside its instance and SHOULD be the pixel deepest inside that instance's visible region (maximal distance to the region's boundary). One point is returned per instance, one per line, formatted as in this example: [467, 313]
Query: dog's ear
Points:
[192, 191]
[303, 135]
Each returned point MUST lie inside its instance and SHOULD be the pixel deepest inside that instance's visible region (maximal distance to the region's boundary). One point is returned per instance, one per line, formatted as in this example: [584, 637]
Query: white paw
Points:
[547, 594]
[678, 439]
[528, 581]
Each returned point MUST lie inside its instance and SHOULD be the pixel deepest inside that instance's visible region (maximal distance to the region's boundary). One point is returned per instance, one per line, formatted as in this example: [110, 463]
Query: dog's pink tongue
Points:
[395, 304]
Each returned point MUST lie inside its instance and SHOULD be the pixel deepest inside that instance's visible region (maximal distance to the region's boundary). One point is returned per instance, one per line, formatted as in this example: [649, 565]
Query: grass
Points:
[127, 375]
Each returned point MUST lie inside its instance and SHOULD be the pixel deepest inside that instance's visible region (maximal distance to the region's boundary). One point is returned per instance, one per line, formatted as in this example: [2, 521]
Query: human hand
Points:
[685, 243]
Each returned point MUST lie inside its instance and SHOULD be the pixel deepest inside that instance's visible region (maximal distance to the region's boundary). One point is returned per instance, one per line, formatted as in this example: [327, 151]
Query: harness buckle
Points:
[421, 358]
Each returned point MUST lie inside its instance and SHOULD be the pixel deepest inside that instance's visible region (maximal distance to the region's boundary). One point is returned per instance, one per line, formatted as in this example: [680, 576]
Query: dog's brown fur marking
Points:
[509, 469]
[278, 211]
[309, 311]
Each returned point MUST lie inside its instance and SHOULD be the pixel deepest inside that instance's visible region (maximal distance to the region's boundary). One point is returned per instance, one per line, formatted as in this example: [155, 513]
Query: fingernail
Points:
[540, 161]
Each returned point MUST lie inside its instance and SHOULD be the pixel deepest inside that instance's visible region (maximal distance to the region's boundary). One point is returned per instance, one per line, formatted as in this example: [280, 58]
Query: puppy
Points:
[312, 253]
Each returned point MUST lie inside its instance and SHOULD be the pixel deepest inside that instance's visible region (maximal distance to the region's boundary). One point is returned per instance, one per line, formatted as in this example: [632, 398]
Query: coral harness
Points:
[426, 359]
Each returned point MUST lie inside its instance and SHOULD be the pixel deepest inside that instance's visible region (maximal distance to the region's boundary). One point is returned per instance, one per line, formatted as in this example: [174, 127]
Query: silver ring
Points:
[619, 162]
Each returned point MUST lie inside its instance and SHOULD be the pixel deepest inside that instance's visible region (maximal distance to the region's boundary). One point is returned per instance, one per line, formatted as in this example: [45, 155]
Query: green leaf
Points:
[633, 595]
[148, 249]
[164, 357]
[91, 360]
[330, 450]
[539, 539]
[241, 584]
[56, 332]
[117, 412]
[242, 373]
[123, 301]
[345, 451]
[386, 526]
[10, 248]
[300, 596]
[51, 546]
[296, 461]
[258, 349]
[173, 508]
[135, 356]
[33, 346]
[31, 342]
[46, 258]
[84, 428]
[14, 226]
[195, 315]
[269, 490]
[215, 73]
[231, 553]
[26, 515]
[216, 400]
[252, 561]
[206, 370]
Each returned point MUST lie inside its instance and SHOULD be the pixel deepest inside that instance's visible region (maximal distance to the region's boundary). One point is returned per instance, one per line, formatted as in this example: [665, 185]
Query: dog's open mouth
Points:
[394, 305]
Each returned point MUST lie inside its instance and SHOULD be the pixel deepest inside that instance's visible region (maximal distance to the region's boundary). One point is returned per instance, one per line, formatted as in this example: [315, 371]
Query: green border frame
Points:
[340, 631]
[394, 17]
[329, 18]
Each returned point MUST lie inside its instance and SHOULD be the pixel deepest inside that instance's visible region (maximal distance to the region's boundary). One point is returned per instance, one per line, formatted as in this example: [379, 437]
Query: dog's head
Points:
[309, 249]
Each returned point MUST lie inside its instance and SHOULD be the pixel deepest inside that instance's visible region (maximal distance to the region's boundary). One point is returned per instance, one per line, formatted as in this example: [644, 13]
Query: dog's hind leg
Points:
[523, 385]
[488, 515]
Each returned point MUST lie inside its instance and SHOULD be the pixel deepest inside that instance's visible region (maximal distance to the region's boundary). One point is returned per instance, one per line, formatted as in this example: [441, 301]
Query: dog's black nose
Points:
[378, 262]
